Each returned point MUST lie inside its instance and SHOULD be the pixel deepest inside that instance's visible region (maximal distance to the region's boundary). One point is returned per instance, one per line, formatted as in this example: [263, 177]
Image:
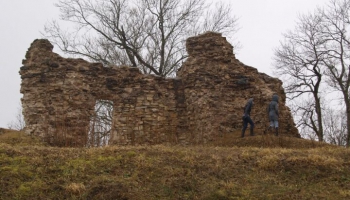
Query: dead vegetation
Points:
[260, 167]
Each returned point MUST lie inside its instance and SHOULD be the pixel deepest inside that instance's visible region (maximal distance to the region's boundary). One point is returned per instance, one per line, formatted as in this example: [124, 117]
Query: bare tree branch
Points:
[148, 34]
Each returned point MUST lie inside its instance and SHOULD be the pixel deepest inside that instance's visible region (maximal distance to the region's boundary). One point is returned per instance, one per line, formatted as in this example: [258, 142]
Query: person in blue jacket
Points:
[272, 110]
[246, 118]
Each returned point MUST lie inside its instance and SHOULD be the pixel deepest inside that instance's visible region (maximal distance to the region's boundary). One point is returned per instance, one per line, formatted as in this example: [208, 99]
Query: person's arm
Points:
[276, 108]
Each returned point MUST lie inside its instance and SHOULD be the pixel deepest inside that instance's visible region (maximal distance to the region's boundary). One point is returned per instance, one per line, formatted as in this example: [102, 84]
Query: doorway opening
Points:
[101, 124]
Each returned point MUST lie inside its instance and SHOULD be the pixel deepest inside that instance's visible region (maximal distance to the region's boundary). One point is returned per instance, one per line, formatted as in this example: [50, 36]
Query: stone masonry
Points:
[204, 102]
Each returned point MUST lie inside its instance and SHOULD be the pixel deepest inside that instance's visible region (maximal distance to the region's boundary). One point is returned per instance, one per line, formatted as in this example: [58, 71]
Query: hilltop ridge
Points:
[313, 171]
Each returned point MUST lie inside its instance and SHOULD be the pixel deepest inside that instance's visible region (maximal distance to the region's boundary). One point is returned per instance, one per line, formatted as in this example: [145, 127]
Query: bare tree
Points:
[335, 127]
[322, 49]
[298, 61]
[148, 34]
[336, 23]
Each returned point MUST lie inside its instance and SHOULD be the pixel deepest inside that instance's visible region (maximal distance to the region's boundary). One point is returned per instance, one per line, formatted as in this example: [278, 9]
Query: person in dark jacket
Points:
[272, 110]
[246, 117]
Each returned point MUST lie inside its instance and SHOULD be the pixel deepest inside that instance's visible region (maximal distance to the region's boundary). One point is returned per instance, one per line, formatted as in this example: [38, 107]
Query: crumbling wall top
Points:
[210, 46]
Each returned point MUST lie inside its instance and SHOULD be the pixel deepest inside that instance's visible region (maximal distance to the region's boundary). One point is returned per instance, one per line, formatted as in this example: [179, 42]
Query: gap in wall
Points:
[101, 124]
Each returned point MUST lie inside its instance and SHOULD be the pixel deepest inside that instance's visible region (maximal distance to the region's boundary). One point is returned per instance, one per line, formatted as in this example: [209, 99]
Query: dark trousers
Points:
[247, 120]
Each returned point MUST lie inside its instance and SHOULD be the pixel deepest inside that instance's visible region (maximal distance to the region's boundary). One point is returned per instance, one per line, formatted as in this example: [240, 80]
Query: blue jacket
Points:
[273, 108]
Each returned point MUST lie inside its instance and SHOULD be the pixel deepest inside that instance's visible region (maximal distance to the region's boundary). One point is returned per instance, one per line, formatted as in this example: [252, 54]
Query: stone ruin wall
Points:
[205, 101]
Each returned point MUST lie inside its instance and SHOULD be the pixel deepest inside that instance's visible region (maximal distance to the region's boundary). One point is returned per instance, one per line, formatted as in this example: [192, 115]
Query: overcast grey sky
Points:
[262, 23]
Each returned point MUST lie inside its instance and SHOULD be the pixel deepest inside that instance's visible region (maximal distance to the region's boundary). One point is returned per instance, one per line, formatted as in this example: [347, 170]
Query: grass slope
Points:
[260, 167]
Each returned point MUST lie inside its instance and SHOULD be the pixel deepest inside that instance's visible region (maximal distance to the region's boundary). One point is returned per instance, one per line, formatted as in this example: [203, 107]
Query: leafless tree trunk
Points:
[336, 23]
[149, 34]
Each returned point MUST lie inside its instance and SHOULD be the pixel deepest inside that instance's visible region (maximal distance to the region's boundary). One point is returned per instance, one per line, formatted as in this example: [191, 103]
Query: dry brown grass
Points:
[260, 167]
[75, 188]
[18, 138]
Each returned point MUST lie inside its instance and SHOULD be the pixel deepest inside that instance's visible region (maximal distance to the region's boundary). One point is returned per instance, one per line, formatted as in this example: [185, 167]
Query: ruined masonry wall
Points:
[205, 101]
[59, 96]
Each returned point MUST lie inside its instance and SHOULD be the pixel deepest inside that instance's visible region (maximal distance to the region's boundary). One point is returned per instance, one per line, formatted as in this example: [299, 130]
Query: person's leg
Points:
[272, 126]
[245, 125]
[250, 121]
[276, 127]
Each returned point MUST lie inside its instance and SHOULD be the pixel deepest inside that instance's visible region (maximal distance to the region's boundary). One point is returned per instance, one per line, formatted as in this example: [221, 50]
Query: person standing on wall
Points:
[272, 111]
[246, 118]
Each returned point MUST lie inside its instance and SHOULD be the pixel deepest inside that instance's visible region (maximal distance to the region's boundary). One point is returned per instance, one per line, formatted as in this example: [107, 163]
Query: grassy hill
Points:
[260, 167]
